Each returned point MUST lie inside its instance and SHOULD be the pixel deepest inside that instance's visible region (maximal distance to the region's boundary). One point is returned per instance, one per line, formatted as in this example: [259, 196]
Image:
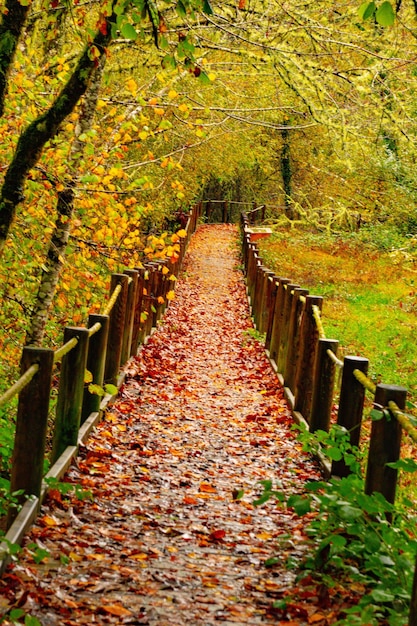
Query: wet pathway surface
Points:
[166, 538]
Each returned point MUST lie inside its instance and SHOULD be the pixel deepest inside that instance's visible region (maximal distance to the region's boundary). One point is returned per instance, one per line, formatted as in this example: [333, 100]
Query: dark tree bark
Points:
[11, 28]
[286, 171]
[45, 127]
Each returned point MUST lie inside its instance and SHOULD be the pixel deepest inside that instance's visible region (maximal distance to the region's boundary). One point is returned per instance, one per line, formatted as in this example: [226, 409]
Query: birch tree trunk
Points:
[65, 207]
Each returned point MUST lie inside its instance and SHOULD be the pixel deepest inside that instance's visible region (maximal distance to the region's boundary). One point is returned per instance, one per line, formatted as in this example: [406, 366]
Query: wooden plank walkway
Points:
[164, 541]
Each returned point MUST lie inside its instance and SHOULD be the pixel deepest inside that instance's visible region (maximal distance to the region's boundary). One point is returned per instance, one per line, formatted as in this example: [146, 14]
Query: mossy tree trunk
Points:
[65, 208]
[45, 127]
[13, 21]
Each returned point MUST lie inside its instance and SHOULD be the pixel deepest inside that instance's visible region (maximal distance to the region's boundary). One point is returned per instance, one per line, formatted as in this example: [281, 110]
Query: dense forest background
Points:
[117, 115]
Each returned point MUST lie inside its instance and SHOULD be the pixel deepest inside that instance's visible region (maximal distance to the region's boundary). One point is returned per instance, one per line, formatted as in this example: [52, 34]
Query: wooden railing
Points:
[137, 301]
[306, 363]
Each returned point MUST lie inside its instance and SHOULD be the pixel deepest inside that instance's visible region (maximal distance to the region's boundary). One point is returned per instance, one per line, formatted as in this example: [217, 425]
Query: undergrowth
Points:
[355, 540]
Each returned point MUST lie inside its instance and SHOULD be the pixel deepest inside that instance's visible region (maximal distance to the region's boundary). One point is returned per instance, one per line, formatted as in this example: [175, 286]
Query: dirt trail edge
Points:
[164, 541]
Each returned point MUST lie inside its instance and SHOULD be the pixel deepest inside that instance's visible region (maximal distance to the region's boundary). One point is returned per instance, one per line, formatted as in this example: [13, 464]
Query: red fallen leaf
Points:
[217, 535]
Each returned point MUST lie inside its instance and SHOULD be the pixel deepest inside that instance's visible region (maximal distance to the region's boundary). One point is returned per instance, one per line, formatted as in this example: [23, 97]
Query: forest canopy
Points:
[117, 115]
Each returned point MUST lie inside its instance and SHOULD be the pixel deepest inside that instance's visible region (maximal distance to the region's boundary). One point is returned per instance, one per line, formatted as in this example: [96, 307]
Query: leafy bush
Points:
[352, 537]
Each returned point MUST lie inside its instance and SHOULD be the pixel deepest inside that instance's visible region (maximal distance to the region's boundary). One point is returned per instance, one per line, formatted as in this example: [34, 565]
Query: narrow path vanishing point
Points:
[164, 542]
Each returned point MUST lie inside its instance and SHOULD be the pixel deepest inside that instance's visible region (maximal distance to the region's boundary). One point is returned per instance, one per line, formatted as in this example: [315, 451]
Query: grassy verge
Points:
[370, 296]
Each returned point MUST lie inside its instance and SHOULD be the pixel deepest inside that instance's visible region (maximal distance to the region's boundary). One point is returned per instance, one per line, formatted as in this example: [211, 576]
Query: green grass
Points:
[370, 295]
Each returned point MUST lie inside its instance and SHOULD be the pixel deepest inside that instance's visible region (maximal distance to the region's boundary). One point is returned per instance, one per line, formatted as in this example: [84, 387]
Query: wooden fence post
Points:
[31, 425]
[308, 348]
[130, 314]
[116, 329]
[70, 392]
[385, 443]
[293, 353]
[267, 287]
[351, 401]
[96, 360]
[271, 300]
[276, 323]
[137, 322]
[323, 386]
[285, 325]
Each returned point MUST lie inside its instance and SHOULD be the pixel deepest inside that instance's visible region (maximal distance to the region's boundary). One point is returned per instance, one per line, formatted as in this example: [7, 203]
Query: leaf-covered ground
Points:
[166, 538]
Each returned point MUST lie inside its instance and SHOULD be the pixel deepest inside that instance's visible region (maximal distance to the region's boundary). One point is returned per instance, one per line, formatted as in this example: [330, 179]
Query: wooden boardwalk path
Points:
[164, 541]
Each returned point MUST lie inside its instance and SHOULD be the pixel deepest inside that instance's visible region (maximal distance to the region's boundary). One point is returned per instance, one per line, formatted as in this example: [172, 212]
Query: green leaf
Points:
[385, 15]
[271, 561]
[366, 10]
[165, 125]
[169, 62]
[203, 78]
[96, 389]
[30, 620]
[382, 595]
[338, 541]
[111, 389]
[335, 454]
[349, 512]
[207, 8]
[128, 31]
[408, 465]
[262, 499]
[376, 415]
[300, 504]
[266, 484]
[180, 8]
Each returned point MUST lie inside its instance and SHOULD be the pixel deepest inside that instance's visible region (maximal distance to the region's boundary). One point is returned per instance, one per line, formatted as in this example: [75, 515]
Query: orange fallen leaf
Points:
[116, 609]
[207, 488]
[317, 617]
[189, 500]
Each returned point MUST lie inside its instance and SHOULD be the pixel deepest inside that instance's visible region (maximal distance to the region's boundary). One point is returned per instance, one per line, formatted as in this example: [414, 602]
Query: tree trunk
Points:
[286, 171]
[45, 127]
[65, 207]
[13, 20]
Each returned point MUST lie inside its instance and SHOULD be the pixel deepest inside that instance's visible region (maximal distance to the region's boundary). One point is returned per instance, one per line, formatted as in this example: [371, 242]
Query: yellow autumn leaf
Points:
[165, 270]
[132, 86]
[183, 108]
[182, 233]
[160, 111]
[170, 295]
[172, 94]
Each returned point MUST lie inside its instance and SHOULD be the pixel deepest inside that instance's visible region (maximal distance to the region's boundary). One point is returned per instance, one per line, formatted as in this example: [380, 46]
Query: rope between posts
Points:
[112, 300]
[364, 381]
[334, 358]
[403, 420]
[20, 384]
[94, 329]
[319, 323]
[63, 350]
